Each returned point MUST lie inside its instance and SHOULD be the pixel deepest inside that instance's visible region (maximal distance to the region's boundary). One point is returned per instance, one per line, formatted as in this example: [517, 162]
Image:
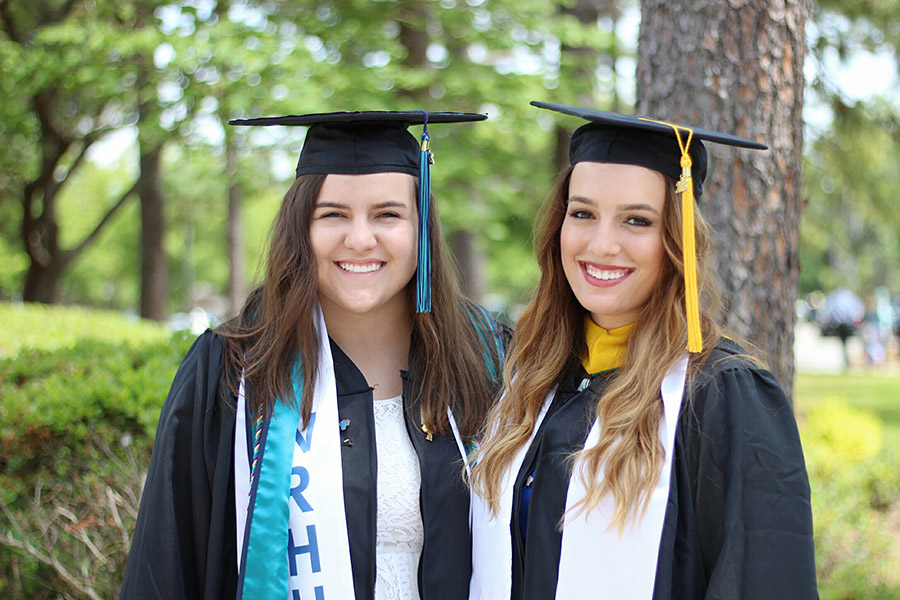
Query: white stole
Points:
[320, 488]
[321, 551]
[595, 562]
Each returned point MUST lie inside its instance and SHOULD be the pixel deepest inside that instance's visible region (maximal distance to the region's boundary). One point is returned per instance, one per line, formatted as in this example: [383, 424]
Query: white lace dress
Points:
[399, 525]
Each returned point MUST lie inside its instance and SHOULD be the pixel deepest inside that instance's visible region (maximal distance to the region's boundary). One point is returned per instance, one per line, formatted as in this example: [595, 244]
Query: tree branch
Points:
[87, 141]
[62, 13]
[10, 541]
[51, 561]
[71, 253]
[8, 25]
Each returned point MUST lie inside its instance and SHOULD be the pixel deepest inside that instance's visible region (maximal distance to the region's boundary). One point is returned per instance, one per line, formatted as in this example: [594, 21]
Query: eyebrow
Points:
[622, 207]
[379, 206]
[639, 206]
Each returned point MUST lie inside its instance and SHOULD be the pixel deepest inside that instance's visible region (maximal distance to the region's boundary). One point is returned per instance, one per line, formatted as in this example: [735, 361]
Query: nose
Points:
[360, 235]
[605, 240]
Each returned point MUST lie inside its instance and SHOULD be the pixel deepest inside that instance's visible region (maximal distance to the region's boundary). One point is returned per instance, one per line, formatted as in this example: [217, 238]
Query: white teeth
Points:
[353, 268]
[606, 275]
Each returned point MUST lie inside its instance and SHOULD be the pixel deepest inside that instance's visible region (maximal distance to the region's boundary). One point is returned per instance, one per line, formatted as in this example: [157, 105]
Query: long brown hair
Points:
[453, 353]
[549, 342]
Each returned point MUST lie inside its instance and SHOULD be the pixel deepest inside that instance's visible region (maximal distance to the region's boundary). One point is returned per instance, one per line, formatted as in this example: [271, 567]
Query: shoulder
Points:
[729, 360]
[206, 353]
[730, 382]
[207, 343]
[737, 419]
[199, 374]
[727, 354]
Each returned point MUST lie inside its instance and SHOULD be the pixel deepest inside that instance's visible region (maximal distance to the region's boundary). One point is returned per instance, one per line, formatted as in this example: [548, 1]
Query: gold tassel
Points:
[685, 187]
[689, 254]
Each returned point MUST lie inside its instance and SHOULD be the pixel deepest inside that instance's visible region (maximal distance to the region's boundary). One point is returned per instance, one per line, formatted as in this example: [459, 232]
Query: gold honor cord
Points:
[685, 187]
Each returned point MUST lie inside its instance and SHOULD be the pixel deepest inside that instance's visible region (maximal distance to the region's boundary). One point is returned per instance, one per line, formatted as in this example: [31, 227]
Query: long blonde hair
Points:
[549, 342]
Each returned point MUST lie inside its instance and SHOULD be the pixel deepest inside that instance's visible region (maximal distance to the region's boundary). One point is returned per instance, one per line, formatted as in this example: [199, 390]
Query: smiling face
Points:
[363, 234]
[611, 240]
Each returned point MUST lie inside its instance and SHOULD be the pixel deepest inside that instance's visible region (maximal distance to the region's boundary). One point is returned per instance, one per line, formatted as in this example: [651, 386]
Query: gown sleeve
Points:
[751, 490]
[184, 540]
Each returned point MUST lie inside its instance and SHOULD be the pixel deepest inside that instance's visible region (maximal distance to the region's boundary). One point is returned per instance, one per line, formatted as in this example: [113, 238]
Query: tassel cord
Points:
[423, 270]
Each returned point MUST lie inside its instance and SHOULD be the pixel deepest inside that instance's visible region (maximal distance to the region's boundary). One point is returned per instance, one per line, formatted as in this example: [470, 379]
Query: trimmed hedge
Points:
[77, 421]
[43, 327]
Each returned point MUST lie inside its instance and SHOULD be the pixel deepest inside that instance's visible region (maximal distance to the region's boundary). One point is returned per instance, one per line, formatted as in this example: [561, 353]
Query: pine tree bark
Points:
[737, 66]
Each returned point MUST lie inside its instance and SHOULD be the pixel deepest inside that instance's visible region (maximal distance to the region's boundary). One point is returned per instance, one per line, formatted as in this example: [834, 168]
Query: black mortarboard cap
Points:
[376, 141]
[667, 148]
[625, 139]
[360, 142]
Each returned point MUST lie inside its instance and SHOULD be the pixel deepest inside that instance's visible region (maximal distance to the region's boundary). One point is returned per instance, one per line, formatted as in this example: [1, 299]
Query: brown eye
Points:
[639, 221]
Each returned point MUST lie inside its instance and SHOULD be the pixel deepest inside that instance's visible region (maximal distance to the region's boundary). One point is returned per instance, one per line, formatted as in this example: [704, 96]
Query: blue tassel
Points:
[423, 271]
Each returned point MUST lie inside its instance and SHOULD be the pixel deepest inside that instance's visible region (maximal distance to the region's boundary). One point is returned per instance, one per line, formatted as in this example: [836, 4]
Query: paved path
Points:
[814, 353]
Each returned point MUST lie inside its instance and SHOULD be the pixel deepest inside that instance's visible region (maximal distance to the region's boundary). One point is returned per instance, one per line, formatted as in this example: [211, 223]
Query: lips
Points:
[604, 275]
[366, 267]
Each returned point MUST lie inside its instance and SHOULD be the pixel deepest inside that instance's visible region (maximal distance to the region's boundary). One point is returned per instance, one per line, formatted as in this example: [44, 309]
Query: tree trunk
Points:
[154, 264]
[41, 237]
[737, 67]
[188, 274]
[42, 282]
[40, 230]
[470, 259]
[154, 267]
[237, 278]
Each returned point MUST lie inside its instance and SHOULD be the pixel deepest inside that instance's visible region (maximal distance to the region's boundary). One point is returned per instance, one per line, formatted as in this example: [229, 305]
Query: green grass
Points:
[879, 394]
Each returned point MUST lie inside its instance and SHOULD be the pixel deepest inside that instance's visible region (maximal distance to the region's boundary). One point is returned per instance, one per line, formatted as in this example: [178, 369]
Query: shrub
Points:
[76, 428]
[855, 495]
[42, 327]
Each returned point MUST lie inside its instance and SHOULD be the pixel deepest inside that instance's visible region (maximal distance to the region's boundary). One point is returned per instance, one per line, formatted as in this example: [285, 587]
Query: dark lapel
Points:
[358, 462]
[546, 464]
[446, 562]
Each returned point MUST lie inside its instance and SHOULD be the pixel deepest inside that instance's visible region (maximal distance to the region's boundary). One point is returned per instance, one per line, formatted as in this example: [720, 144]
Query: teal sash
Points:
[265, 573]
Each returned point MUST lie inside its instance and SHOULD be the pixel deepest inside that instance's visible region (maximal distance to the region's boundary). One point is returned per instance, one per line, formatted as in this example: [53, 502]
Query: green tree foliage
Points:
[215, 60]
[212, 61]
[67, 88]
[852, 177]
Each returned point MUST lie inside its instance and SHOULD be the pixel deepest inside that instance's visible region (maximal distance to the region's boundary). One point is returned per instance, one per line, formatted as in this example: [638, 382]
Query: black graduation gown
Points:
[738, 522]
[184, 541]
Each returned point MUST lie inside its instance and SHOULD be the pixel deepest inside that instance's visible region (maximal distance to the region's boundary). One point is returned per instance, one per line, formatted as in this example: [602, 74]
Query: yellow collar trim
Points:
[606, 347]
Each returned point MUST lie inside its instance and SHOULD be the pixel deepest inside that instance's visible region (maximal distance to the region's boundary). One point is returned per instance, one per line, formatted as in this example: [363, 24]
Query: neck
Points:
[377, 342]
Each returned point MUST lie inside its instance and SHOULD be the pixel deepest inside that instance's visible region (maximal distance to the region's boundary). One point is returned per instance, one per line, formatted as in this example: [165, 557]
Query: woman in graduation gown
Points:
[311, 447]
[637, 452]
